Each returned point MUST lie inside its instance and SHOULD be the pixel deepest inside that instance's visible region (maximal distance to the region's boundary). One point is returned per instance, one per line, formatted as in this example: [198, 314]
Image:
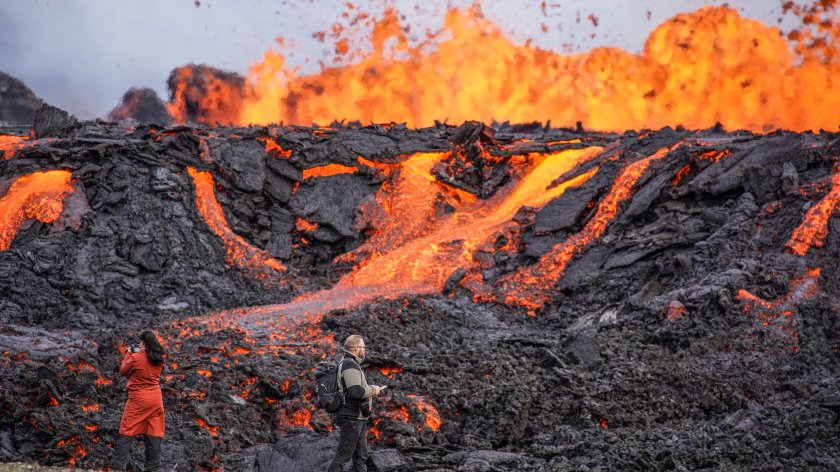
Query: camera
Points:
[135, 348]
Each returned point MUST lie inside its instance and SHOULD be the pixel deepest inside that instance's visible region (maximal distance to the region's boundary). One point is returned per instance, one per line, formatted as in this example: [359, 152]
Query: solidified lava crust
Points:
[536, 299]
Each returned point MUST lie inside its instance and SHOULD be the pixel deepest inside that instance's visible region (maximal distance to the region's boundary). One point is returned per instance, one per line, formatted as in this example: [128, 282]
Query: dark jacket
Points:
[358, 395]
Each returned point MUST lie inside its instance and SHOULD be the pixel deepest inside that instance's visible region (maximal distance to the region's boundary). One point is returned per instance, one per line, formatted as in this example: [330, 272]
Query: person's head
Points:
[355, 344]
[154, 350]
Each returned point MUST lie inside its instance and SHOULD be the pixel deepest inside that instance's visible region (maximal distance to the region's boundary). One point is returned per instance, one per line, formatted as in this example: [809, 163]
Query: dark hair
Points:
[154, 351]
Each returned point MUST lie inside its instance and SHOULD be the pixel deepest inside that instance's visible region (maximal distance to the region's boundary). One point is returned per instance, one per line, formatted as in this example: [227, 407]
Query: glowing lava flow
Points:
[10, 144]
[238, 251]
[814, 227]
[697, 69]
[414, 251]
[532, 286]
[39, 195]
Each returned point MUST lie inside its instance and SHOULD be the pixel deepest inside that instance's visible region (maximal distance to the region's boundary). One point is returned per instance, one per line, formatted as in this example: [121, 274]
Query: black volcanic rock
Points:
[17, 102]
[51, 121]
[141, 105]
[685, 335]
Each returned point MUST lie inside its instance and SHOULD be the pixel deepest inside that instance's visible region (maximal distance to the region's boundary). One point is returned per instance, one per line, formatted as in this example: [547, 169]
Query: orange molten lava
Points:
[530, 287]
[814, 227]
[239, 252]
[328, 170]
[390, 372]
[697, 69]
[432, 417]
[274, 149]
[414, 250]
[10, 144]
[39, 195]
[213, 430]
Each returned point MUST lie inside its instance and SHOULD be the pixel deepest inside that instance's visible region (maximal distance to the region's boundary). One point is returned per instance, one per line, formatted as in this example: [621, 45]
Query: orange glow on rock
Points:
[238, 251]
[204, 373]
[90, 407]
[390, 372]
[274, 149]
[814, 227]
[39, 195]
[213, 430]
[432, 417]
[102, 381]
[328, 170]
[779, 314]
[301, 418]
[305, 226]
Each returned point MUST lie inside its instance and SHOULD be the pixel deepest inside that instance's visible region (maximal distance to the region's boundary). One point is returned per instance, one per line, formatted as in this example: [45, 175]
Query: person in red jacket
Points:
[143, 414]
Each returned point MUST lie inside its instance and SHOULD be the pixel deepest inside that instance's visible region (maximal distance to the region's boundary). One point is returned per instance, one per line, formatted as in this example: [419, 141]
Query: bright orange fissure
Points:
[697, 69]
[814, 227]
[238, 251]
[39, 195]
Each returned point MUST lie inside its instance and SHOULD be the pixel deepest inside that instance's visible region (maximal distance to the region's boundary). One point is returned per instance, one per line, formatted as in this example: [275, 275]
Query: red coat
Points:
[143, 412]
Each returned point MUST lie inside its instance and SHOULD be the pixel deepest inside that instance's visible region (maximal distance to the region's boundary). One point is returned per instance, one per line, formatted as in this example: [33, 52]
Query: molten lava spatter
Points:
[239, 252]
[814, 227]
[531, 287]
[39, 195]
[697, 69]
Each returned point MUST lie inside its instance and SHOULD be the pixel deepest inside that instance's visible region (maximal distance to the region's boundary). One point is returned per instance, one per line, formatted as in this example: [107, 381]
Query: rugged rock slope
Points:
[669, 302]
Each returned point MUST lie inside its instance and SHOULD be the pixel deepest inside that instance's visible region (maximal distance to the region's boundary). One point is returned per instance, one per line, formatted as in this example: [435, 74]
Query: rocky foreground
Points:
[693, 325]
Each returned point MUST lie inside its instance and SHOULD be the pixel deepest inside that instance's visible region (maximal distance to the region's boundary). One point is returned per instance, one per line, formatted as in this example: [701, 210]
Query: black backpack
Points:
[329, 394]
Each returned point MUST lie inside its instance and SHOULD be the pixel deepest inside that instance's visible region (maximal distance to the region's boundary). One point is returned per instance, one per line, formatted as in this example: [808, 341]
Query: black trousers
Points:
[122, 448]
[351, 443]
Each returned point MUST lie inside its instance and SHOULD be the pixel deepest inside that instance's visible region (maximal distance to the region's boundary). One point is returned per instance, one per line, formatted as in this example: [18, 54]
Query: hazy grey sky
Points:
[82, 55]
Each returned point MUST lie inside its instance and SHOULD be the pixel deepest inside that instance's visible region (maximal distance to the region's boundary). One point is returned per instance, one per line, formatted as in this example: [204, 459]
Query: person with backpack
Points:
[355, 410]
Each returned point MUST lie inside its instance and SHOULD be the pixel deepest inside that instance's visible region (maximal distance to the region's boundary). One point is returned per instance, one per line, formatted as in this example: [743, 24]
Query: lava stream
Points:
[415, 251]
[531, 286]
[238, 251]
[814, 227]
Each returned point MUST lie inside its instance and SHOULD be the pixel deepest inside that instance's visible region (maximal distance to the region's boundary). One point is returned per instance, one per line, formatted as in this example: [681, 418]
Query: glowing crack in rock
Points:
[39, 196]
[814, 227]
[238, 251]
[777, 319]
[531, 286]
